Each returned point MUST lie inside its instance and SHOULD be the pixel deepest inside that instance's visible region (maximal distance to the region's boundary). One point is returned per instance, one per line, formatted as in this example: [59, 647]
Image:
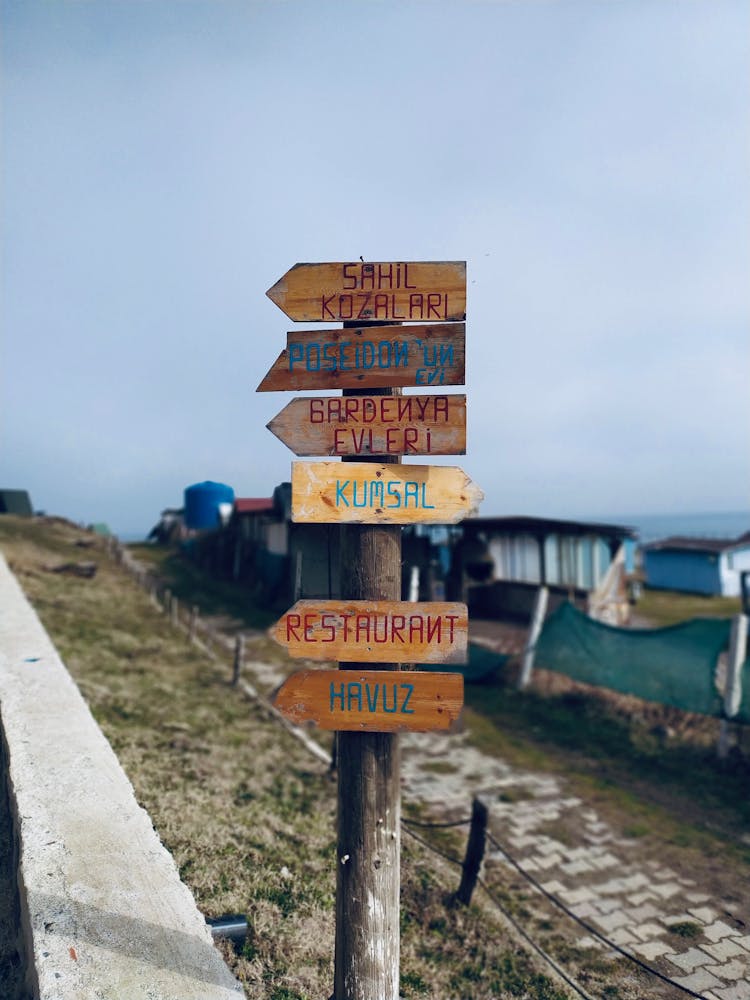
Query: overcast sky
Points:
[164, 163]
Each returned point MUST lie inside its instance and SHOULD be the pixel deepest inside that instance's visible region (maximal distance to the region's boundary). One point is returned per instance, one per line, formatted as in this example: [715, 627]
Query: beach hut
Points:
[710, 566]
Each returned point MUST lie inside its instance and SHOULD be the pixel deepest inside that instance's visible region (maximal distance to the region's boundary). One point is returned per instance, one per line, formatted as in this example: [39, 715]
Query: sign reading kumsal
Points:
[368, 493]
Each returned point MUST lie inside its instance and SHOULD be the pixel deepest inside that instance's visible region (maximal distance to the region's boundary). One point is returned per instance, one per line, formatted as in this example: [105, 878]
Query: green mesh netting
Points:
[743, 715]
[674, 665]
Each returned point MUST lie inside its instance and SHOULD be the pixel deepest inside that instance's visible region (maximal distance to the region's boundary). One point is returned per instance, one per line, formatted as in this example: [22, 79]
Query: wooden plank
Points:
[397, 291]
[365, 357]
[368, 493]
[375, 631]
[376, 701]
[373, 425]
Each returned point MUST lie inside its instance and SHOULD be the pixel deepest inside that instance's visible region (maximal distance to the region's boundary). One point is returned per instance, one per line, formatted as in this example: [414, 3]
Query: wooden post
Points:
[733, 686]
[474, 852]
[239, 654]
[368, 876]
[193, 626]
[174, 612]
[414, 584]
[537, 620]
[167, 599]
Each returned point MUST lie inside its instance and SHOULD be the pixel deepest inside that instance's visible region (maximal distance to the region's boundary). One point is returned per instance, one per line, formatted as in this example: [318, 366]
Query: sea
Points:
[651, 527]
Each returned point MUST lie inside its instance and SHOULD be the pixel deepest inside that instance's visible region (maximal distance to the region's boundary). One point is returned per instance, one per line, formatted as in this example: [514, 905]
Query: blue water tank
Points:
[202, 503]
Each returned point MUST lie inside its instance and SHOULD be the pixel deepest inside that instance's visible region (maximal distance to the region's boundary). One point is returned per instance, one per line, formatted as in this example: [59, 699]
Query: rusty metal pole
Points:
[369, 795]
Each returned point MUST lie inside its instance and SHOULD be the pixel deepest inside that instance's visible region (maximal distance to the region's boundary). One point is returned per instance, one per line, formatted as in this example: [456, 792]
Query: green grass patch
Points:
[668, 607]
[685, 929]
[248, 816]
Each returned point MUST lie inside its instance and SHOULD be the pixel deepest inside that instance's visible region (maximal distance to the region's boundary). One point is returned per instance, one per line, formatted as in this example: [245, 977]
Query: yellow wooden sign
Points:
[375, 631]
[373, 425]
[370, 357]
[398, 291]
[368, 493]
[379, 701]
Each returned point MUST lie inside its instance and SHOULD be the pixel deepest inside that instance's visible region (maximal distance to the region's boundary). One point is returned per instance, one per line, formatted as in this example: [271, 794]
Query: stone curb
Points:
[104, 913]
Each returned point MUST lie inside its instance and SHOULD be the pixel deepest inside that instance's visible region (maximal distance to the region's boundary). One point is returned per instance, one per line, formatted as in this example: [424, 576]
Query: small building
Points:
[15, 502]
[286, 560]
[499, 564]
[710, 566]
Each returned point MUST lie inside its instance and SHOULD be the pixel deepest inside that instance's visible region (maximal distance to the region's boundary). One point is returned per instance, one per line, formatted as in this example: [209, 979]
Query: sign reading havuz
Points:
[380, 701]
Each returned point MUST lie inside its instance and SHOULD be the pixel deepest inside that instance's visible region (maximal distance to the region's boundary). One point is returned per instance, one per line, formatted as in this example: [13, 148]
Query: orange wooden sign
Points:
[370, 358]
[400, 291]
[367, 493]
[375, 631]
[376, 701]
[373, 425]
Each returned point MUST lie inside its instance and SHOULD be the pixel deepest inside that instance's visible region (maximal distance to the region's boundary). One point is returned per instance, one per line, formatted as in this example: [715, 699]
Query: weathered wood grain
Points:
[375, 357]
[375, 631]
[369, 493]
[398, 291]
[382, 701]
[373, 425]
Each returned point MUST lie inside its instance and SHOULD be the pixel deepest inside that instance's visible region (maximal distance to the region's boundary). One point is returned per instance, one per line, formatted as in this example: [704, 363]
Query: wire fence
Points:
[218, 646]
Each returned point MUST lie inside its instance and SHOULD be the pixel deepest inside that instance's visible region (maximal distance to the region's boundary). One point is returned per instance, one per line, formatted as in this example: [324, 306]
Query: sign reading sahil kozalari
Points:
[397, 291]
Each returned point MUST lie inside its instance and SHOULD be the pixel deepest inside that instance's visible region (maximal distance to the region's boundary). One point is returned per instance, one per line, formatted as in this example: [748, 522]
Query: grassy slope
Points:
[247, 814]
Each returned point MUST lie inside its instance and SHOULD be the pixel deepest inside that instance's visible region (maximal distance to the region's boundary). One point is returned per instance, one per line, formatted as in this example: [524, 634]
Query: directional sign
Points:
[379, 701]
[375, 631]
[424, 291]
[370, 358]
[367, 493]
[373, 425]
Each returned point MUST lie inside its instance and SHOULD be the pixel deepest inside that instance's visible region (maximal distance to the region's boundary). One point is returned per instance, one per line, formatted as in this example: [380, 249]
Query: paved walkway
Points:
[599, 877]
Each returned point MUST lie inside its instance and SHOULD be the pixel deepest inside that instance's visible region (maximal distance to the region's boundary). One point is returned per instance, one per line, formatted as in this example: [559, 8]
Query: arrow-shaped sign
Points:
[424, 291]
[373, 425]
[375, 631]
[380, 701]
[370, 358]
[367, 493]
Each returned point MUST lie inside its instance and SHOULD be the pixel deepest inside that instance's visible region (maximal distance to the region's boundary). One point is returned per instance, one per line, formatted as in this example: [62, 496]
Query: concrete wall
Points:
[104, 914]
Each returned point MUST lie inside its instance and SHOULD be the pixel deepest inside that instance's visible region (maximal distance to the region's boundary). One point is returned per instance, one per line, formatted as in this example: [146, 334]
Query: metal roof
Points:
[253, 505]
[679, 543]
[547, 525]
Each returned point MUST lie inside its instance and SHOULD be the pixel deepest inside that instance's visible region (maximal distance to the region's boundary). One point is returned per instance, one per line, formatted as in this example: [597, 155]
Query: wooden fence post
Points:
[167, 599]
[537, 620]
[193, 625]
[733, 686]
[368, 877]
[239, 655]
[174, 612]
[474, 852]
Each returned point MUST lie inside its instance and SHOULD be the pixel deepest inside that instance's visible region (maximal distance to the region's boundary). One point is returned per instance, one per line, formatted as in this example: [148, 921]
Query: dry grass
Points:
[247, 814]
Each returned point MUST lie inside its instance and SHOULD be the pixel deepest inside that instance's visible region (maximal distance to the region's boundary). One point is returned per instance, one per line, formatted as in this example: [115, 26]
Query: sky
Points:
[164, 163]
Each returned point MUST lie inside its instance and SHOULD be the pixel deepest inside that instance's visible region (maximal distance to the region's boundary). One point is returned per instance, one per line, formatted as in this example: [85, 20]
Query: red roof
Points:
[253, 505]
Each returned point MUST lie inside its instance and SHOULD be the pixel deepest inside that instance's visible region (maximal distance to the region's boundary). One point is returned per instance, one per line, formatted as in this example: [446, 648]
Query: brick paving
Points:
[631, 901]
